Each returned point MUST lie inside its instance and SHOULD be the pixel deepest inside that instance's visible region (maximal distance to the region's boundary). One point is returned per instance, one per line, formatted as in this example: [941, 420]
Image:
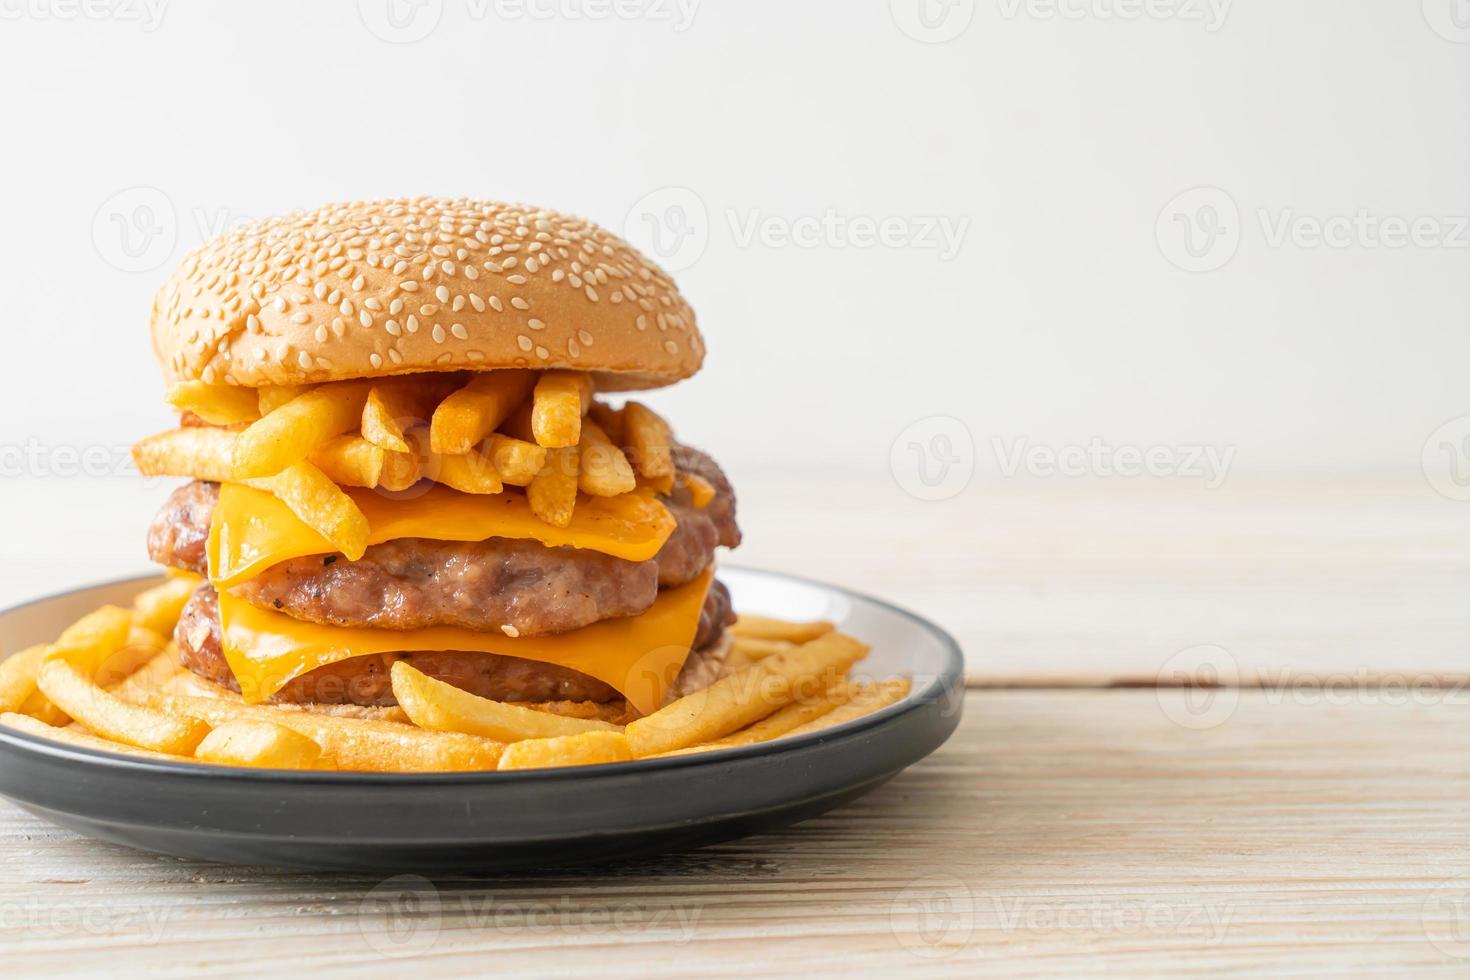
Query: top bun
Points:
[375, 288]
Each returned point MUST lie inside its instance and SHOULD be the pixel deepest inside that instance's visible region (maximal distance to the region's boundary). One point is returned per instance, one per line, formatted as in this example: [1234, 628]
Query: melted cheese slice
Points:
[253, 530]
[639, 656]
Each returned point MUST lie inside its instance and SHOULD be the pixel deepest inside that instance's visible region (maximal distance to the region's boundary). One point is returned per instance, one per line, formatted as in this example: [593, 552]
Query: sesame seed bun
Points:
[376, 288]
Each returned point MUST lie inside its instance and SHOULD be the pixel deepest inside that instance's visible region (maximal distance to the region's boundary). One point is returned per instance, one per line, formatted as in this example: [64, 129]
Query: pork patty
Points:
[520, 586]
[367, 681]
[483, 585]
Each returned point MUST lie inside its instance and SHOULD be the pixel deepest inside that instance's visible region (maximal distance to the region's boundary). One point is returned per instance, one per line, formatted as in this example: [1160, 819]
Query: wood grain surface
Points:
[1059, 832]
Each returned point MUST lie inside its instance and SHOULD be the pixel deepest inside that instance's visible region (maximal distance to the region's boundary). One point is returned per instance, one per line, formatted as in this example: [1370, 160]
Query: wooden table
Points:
[1314, 815]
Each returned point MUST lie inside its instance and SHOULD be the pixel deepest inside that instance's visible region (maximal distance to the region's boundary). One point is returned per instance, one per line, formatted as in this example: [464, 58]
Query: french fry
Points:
[353, 743]
[782, 721]
[442, 707]
[299, 428]
[321, 504]
[359, 711]
[701, 491]
[467, 416]
[18, 677]
[518, 423]
[396, 406]
[470, 472]
[611, 420]
[868, 699]
[158, 608]
[766, 628]
[80, 738]
[73, 691]
[351, 461]
[153, 676]
[586, 749]
[650, 441]
[259, 745]
[603, 470]
[400, 471]
[516, 460]
[754, 648]
[553, 493]
[560, 400]
[740, 699]
[271, 397]
[142, 645]
[39, 707]
[215, 404]
[202, 453]
[89, 641]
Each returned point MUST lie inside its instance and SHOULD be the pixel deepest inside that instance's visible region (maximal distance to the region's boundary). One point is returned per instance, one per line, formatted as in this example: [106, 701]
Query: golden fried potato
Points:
[321, 504]
[442, 707]
[650, 441]
[354, 743]
[81, 739]
[300, 427]
[586, 749]
[560, 400]
[466, 417]
[735, 701]
[259, 745]
[201, 453]
[158, 608]
[516, 460]
[215, 404]
[553, 493]
[766, 628]
[603, 470]
[73, 691]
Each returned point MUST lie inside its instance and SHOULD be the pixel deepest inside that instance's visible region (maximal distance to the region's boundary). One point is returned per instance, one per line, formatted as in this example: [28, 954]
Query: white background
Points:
[1053, 140]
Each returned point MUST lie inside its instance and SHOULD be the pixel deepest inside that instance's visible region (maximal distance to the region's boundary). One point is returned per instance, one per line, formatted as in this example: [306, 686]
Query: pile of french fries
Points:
[112, 681]
[541, 431]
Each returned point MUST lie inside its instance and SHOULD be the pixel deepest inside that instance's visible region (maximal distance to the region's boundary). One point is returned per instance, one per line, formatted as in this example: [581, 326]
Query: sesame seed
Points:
[459, 331]
[286, 264]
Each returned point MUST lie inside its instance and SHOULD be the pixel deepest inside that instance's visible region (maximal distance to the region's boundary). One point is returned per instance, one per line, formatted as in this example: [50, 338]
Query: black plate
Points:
[466, 822]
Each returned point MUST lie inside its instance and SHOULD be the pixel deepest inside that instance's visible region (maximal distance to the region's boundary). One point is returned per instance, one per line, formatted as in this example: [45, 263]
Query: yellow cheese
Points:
[639, 656]
[252, 530]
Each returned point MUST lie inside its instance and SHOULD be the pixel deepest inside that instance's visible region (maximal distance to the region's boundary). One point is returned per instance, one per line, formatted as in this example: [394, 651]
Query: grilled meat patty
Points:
[366, 680]
[411, 583]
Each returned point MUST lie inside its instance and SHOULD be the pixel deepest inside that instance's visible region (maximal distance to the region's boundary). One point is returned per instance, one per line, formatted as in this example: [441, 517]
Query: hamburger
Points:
[401, 428]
